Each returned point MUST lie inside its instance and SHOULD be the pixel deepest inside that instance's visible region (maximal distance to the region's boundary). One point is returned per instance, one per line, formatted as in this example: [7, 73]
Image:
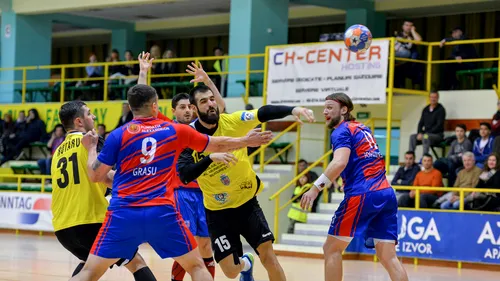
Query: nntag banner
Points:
[445, 236]
[306, 74]
[26, 210]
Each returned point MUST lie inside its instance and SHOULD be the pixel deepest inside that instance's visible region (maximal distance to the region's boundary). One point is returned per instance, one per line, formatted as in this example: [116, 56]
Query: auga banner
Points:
[467, 237]
[306, 74]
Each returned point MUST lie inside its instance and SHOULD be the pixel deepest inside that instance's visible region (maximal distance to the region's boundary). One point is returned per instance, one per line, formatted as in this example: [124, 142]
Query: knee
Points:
[231, 272]
[329, 249]
[205, 248]
[268, 258]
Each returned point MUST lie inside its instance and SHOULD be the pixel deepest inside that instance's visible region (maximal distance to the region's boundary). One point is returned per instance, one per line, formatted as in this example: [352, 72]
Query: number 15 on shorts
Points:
[223, 243]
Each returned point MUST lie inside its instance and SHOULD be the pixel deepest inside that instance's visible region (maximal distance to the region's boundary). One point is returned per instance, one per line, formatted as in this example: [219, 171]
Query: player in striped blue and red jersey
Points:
[369, 209]
[142, 207]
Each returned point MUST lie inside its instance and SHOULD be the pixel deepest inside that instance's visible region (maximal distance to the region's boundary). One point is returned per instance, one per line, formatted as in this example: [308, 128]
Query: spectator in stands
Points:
[8, 132]
[495, 129]
[467, 177]
[126, 115]
[55, 140]
[156, 68]
[94, 71]
[406, 174]
[427, 177]
[115, 69]
[460, 52]
[296, 213]
[220, 65]
[35, 131]
[489, 178]
[430, 129]
[21, 121]
[130, 69]
[408, 51]
[101, 130]
[169, 67]
[483, 146]
[450, 165]
[302, 165]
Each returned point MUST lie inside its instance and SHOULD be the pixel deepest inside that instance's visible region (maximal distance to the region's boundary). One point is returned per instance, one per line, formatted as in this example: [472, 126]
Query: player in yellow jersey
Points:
[78, 204]
[229, 191]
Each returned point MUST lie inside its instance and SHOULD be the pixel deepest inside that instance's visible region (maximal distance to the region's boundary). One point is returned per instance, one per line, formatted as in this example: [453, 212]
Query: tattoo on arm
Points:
[96, 165]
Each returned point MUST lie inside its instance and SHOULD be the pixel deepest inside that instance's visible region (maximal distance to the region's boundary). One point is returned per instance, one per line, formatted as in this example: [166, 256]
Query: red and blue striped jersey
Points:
[145, 151]
[365, 170]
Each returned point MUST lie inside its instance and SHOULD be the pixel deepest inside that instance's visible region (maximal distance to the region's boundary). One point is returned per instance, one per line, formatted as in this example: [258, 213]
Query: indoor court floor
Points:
[42, 258]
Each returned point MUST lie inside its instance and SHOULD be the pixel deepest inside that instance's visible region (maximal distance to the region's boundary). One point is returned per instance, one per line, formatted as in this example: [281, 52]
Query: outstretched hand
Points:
[302, 111]
[145, 63]
[257, 138]
[198, 72]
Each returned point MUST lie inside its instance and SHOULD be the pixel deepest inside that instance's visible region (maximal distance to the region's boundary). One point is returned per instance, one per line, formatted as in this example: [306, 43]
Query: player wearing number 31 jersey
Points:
[369, 209]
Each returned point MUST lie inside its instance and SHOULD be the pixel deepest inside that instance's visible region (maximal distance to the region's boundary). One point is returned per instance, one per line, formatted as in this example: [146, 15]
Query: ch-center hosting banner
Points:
[306, 74]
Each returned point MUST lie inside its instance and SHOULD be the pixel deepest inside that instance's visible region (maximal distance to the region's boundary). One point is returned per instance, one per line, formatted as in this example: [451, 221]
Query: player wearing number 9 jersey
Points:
[78, 204]
[142, 208]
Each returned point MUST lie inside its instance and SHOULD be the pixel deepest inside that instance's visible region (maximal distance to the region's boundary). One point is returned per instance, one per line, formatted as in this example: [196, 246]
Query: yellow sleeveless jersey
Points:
[75, 199]
[226, 187]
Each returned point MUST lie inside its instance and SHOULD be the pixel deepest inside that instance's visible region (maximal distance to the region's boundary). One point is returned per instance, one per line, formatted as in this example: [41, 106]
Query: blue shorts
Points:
[190, 205]
[372, 215]
[124, 229]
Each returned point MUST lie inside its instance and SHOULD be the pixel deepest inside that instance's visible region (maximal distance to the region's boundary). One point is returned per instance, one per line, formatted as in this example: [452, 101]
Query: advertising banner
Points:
[306, 74]
[445, 236]
[26, 211]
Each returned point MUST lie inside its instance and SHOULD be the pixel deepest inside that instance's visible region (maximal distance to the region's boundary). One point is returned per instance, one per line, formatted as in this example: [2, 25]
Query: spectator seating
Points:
[479, 72]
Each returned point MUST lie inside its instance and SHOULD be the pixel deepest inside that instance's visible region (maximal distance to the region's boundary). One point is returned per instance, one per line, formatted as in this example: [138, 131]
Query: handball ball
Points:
[358, 38]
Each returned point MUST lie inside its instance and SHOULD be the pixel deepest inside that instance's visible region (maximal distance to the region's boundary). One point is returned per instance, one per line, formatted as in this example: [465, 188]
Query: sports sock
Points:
[247, 263]
[178, 272]
[78, 269]
[210, 264]
[144, 274]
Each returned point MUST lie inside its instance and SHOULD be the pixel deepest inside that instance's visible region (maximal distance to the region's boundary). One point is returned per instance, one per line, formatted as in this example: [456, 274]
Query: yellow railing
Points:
[63, 70]
[276, 196]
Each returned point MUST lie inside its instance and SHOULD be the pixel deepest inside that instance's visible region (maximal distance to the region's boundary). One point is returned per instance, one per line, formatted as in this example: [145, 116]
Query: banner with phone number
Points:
[445, 236]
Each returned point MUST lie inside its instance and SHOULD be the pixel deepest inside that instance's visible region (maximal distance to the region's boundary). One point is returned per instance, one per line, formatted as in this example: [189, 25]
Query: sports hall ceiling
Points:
[159, 16]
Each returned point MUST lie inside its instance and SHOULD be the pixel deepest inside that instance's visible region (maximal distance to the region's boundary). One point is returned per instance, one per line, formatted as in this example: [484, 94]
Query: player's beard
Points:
[209, 118]
[334, 122]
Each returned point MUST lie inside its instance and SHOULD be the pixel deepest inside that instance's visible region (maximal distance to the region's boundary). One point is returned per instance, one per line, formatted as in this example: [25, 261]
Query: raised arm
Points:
[254, 138]
[272, 112]
[202, 76]
[97, 171]
[145, 63]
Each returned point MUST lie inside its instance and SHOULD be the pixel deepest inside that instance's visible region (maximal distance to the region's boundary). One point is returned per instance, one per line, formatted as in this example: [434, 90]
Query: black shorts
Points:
[79, 239]
[226, 226]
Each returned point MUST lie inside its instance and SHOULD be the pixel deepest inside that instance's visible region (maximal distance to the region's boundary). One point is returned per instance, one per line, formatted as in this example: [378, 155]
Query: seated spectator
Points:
[169, 67]
[406, 174]
[296, 213]
[430, 129]
[429, 177]
[450, 165]
[126, 115]
[55, 140]
[489, 178]
[460, 52]
[495, 129]
[8, 132]
[101, 130]
[94, 71]
[35, 131]
[408, 51]
[130, 69]
[302, 165]
[20, 122]
[483, 146]
[467, 177]
[115, 70]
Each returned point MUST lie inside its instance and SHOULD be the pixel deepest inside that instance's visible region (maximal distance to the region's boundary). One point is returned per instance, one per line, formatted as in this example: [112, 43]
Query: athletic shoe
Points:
[247, 275]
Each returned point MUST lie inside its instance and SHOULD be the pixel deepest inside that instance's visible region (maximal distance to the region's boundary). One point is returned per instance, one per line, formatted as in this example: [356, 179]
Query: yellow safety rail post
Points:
[264, 146]
[63, 84]
[278, 193]
[297, 150]
[24, 86]
[264, 101]
[428, 83]
[389, 105]
[106, 74]
[246, 97]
